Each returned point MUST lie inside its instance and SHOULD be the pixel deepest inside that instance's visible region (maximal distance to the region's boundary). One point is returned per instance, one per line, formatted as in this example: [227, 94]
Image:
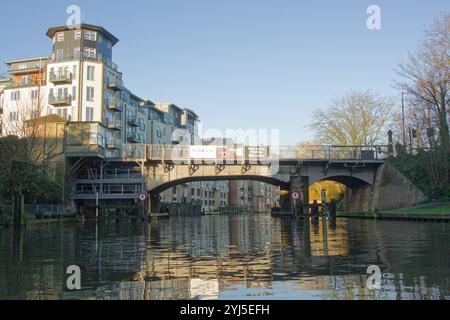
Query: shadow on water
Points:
[220, 257]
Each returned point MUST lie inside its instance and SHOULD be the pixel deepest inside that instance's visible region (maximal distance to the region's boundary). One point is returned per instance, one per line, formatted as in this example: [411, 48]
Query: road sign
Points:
[143, 196]
[295, 196]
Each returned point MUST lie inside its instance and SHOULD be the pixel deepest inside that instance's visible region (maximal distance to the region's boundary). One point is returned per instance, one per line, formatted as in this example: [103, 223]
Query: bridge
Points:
[156, 168]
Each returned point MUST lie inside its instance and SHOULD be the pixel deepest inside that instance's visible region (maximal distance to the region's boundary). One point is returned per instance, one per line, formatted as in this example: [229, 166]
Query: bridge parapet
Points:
[209, 154]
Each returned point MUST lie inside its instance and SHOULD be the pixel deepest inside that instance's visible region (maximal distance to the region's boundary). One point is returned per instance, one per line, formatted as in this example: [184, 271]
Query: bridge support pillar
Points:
[155, 203]
[300, 184]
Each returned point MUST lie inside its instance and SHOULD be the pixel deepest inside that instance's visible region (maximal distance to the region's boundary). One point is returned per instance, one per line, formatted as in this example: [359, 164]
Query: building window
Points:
[60, 37]
[90, 53]
[23, 67]
[74, 72]
[89, 114]
[74, 93]
[34, 94]
[13, 116]
[90, 35]
[90, 93]
[15, 95]
[77, 53]
[60, 54]
[90, 73]
[77, 34]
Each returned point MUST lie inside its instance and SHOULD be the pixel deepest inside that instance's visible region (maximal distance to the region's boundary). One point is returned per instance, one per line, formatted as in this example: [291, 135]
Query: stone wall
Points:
[391, 190]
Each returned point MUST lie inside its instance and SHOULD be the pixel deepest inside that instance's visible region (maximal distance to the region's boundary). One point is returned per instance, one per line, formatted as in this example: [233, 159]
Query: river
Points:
[222, 257]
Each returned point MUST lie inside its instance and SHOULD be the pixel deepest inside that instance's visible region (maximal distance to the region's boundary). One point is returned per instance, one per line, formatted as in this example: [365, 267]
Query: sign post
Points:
[295, 197]
[142, 198]
[324, 204]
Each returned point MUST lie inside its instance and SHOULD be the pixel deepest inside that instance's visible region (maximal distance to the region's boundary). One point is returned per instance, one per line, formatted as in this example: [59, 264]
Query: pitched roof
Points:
[48, 118]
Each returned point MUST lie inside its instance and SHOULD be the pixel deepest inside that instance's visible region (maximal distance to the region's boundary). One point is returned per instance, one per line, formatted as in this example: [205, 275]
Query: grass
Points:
[440, 209]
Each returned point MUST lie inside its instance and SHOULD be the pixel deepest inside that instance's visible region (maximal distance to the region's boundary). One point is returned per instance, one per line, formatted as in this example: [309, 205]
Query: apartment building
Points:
[210, 195]
[253, 195]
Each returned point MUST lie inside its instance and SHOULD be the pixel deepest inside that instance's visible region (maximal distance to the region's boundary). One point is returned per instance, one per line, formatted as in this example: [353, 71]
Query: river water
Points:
[221, 257]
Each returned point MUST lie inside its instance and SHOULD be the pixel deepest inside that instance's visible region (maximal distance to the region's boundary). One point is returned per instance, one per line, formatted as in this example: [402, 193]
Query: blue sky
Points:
[239, 63]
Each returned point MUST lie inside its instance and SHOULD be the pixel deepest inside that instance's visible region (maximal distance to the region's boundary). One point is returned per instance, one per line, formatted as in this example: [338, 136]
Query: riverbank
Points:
[439, 212]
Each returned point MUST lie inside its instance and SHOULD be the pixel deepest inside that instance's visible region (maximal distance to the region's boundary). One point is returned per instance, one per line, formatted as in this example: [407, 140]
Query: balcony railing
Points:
[114, 124]
[114, 144]
[70, 57]
[115, 83]
[114, 105]
[60, 77]
[60, 100]
[132, 121]
[132, 137]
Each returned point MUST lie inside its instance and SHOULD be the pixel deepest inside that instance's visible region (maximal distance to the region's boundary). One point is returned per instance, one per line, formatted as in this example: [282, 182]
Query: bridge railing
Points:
[222, 154]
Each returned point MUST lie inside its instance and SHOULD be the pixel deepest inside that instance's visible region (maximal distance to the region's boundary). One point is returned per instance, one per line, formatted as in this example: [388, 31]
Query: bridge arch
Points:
[350, 182]
[172, 183]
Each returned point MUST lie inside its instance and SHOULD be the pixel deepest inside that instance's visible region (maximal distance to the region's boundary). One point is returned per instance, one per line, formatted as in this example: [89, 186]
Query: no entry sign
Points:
[143, 196]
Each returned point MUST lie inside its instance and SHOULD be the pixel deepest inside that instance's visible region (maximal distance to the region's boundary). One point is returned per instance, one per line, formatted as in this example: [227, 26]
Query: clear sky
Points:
[238, 63]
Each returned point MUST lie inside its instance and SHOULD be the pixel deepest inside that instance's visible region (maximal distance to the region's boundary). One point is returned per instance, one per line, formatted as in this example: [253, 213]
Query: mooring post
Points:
[18, 209]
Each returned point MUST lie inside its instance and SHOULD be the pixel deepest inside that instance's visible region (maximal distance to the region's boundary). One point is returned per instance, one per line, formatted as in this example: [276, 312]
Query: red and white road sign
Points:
[143, 196]
[295, 195]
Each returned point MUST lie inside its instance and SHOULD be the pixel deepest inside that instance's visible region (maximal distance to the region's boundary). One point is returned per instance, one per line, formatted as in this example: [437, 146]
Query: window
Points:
[100, 38]
[77, 53]
[90, 35]
[60, 54]
[77, 34]
[25, 80]
[90, 93]
[74, 93]
[60, 36]
[109, 45]
[15, 95]
[13, 116]
[90, 73]
[63, 113]
[23, 67]
[34, 94]
[90, 53]
[89, 114]
[74, 72]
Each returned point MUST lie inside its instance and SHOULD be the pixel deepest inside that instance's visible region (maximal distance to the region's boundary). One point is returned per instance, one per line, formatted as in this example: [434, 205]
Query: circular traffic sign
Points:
[295, 195]
[143, 196]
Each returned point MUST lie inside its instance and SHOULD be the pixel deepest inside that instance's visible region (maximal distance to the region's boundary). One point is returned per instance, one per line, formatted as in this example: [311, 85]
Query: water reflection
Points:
[217, 257]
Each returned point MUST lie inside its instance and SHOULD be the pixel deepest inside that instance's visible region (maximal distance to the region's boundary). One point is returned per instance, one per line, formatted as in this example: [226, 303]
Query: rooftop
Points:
[52, 31]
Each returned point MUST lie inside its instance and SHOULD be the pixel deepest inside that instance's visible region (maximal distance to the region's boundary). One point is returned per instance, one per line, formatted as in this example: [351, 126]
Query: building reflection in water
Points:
[221, 257]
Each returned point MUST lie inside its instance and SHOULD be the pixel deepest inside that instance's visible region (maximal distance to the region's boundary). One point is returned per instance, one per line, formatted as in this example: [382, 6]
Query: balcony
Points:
[132, 121]
[114, 144]
[114, 124]
[114, 105]
[84, 139]
[60, 100]
[19, 71]
[115, 84]
[63, 77]
[132, 137]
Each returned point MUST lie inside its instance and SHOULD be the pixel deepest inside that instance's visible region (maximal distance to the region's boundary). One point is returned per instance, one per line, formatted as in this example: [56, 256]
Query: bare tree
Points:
[358, 118]
[425, 76]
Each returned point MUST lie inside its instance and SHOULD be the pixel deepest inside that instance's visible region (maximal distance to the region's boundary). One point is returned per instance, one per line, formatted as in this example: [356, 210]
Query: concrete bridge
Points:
[373, 183]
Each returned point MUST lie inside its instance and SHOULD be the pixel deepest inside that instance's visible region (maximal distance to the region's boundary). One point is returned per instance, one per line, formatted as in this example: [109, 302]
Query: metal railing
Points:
[60, 100]
[187, 153]
[59, 77]
[114, 104]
